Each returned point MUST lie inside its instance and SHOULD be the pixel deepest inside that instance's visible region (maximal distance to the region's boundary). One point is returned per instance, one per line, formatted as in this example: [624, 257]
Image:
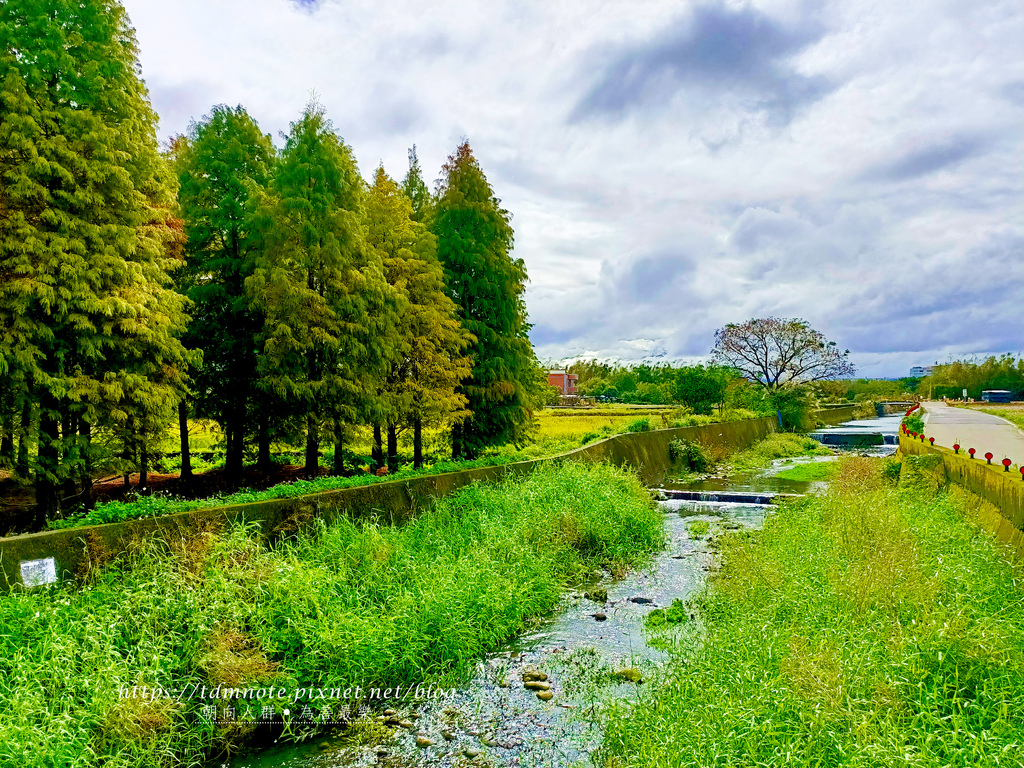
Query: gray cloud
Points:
[934, 156]
[715, 52]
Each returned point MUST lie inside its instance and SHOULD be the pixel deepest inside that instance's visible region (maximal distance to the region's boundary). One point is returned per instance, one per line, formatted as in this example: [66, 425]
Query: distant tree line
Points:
[951, 379]
[274, 291]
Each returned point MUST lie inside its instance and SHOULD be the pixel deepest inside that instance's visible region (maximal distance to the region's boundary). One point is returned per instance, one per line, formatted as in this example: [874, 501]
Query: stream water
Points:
[495, 720]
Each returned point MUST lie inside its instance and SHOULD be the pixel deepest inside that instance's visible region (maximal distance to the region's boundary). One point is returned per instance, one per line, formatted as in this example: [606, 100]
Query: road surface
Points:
[973, 429]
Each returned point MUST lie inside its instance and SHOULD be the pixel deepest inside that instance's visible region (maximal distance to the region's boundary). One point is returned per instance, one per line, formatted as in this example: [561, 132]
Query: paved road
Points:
[973, 429]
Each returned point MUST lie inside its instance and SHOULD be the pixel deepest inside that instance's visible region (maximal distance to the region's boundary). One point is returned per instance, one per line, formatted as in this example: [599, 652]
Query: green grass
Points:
[780, 445]
[869, 627]
[809, 472]
[160, 504]
[335, 606]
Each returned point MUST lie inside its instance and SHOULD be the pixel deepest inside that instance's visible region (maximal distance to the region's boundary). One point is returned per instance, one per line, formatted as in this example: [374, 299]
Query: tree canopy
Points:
[89, 322]
[474, 243]
[780, 353]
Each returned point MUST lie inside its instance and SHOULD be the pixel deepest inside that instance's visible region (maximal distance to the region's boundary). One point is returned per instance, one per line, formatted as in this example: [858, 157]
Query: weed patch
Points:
[870, 626]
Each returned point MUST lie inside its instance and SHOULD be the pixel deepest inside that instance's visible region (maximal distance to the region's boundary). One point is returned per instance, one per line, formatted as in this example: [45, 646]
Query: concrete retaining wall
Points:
[74, 549]
[1004, 490]
[836, 414]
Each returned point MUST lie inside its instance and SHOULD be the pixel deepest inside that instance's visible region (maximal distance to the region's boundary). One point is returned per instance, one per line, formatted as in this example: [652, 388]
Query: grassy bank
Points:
[331, 607]
[870, 627]
[780, 445]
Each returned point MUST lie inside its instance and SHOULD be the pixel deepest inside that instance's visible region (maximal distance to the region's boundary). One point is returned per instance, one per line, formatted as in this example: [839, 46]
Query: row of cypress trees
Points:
[274, 291]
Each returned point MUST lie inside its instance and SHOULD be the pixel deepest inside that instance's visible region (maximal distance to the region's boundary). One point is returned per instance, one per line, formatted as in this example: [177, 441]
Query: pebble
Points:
[641, 600]
[472, 752]
[533, 674]
[407, 724]
[537, 685]
[545, 695]
[423, 741]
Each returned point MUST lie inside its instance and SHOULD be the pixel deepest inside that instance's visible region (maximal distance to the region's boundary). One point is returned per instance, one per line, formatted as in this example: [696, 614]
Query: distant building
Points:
[995, 395]
[566, 382]
[921, 370]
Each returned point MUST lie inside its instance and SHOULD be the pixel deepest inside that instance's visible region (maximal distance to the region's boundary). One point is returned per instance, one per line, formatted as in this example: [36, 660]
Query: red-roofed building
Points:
[566, 382]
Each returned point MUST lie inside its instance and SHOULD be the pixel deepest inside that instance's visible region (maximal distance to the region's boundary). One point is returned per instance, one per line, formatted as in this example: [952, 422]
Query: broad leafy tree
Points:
[88, 318]
[780, 353]
[423, 375]
[474, 243]
[224, 166]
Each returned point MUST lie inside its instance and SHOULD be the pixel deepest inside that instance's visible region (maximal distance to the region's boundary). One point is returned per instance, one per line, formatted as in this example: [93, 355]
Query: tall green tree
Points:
[88, 317]
[224, 166]
[427, 365]
[415, 188]
[329, 312]
[474, 243]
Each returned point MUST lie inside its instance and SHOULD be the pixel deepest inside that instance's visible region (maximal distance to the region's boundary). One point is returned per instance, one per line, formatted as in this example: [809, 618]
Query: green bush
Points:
[891, 470]
[914, 422]
[639, 425]
[690, 453]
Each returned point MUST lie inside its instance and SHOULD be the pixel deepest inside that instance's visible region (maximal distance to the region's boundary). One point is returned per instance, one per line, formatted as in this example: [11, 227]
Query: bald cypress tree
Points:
[88, 318]
[474, 243]
[427, 365]
[328, 309]
[224, 166]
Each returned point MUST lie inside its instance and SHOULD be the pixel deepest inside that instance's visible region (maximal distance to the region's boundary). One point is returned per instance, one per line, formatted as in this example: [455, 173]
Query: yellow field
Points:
[562, 423]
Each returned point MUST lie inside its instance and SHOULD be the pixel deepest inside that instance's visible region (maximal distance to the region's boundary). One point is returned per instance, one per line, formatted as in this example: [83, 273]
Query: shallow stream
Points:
[494, 720]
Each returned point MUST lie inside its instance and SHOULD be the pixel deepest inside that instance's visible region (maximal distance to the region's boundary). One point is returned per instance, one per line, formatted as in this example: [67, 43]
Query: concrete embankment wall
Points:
[1004, 490]
[74, 549]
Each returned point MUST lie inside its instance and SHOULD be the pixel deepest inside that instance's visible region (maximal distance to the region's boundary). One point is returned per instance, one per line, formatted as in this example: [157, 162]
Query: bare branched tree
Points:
[780, 352]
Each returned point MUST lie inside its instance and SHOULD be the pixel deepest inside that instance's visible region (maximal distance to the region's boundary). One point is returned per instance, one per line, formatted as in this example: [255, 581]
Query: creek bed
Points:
[494, 720]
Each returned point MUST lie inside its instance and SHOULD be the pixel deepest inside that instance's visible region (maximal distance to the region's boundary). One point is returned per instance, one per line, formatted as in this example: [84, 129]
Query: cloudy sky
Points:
[674, 166]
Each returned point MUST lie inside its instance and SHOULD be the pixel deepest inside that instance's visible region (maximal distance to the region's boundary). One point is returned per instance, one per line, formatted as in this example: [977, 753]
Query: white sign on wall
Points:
[36, 573]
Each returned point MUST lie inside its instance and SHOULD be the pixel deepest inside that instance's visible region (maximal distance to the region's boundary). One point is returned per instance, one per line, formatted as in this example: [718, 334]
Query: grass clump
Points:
[693, 455]
[869, 627]
[698, 527]
[639, 425]
[333, 606]
[809, 472]
[780, 445]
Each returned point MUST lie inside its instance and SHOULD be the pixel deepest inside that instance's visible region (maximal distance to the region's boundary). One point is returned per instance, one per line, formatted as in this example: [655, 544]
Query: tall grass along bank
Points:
[870, 627]
[330, 607]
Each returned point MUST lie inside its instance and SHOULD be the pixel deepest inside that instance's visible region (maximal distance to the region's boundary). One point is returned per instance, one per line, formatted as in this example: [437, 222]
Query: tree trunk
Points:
[85, 497]
[186, 454]
[456, 442]
[48, 453]
[417, 443]
[126, 456]
[312, 447]
[7, 431]
[377, 452]
[339, 457]
[392, 448]
[144, 467]
[24, 430]
[233, 460]
[263, 459]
